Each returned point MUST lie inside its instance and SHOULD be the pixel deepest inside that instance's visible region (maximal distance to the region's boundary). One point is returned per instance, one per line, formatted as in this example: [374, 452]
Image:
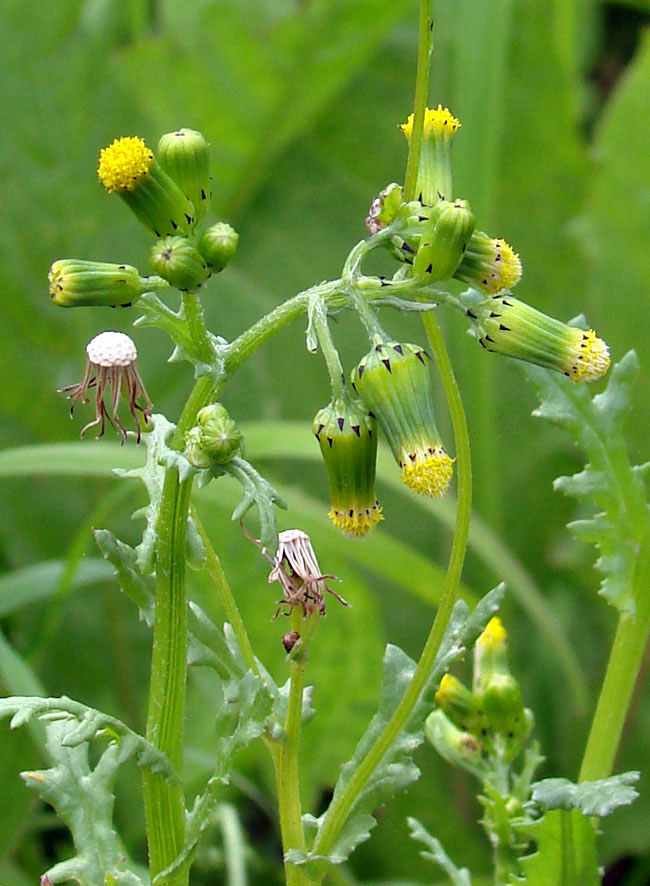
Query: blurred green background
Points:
[300, 100]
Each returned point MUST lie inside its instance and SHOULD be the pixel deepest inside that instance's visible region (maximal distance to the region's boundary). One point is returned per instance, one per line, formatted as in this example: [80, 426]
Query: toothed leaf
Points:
[608, 482]
[590, 797]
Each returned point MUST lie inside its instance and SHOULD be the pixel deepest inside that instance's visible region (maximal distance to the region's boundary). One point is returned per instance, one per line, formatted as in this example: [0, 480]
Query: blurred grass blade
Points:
[41, 580]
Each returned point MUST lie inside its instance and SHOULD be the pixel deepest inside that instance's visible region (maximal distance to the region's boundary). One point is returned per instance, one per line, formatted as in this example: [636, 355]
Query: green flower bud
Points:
[178, 261]
[453, 744]
[74, 282]
[393, 382]
[461, 706]
[511, 327]
[434, 173]
[347, 436]
[383, 208]
[501, 699]
[215, 439]
[443, 240]
[490, 654]
[128, 167]
[489, 264]
[185, 157]
[218, 244]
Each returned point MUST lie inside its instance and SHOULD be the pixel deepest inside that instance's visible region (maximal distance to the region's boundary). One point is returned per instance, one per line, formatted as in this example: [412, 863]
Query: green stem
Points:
[425, 43]
[341, 807]
[226, 597]
[285, 758]
[164, 801]
[369, 319]
[196, 326]
[622, 670]
[329, 352]
[266, 327]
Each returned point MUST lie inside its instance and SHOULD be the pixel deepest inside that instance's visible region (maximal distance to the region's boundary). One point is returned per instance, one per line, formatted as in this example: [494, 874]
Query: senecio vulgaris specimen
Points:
[434, 239]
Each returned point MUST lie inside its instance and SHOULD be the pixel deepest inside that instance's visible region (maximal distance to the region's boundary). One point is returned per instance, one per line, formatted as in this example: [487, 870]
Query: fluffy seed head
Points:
[111, 349]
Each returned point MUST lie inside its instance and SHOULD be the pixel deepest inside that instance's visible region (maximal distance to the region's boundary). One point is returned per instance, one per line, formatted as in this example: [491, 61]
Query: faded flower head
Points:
[112, 364]
[296, 568]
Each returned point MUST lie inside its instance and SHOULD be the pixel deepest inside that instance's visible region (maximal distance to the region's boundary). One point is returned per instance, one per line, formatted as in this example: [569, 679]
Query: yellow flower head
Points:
[123, 163]
[356, 522]
[489, 264]
[591, 357]
[438, 123]
[427, 472]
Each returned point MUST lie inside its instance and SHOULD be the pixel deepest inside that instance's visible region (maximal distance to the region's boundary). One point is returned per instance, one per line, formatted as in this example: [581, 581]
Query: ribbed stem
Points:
[622, 671]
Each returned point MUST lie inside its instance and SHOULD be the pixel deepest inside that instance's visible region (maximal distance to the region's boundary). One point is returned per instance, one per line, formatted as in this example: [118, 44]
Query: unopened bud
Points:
[74, 283]
[443, 240]
[179, 262]
[185, 157]
[215, 439]
[218, 245]
[383, 208]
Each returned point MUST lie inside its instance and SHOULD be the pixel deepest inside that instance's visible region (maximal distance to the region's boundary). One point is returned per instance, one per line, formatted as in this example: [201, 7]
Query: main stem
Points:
[164, 801]
[285, 759]
[343, 804]
[622, 670]
[425, 43]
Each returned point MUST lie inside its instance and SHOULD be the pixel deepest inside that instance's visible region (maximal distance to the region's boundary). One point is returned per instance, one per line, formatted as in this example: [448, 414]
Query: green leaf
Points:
[242, 717]
[608, 482]
[81, 724]
[565, 852]
[396, 769]
[590, 797]
[83, 798]
[436, 854]
[259, 492]
[140, 588]
[152, 475]
[156, 313]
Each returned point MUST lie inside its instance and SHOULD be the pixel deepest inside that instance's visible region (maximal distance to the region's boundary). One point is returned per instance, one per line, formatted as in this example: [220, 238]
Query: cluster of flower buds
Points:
[215, 439]
[393, 385]
[169, 194]
[436, 239]
[472, 727]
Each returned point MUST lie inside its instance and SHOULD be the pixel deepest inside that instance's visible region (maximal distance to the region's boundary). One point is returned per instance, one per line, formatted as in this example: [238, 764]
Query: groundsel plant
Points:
[433, 237]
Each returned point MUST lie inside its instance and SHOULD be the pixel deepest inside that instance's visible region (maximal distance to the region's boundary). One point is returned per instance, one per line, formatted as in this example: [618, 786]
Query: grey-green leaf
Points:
[590, 797]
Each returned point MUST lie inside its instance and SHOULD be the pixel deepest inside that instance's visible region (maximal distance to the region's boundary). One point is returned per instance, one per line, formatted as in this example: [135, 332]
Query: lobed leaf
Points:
[590, 797]
[565, 852]
[436, 854]
[152, 475]
[609, 482]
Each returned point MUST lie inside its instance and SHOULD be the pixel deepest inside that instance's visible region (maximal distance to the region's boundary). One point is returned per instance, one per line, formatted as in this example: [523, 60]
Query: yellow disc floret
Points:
[592, 358]
[508, 264]
[447, 691]
[123, 163]
[438, 122]
[428, 472]
[355, 522]
[494, 634]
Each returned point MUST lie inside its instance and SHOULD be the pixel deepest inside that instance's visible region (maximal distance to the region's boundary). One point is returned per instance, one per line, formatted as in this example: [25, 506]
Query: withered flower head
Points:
[112, 364]
[296, 568]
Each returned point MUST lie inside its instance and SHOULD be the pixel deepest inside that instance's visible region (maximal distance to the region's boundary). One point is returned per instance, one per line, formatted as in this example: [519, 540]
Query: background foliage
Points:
[300, 102]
